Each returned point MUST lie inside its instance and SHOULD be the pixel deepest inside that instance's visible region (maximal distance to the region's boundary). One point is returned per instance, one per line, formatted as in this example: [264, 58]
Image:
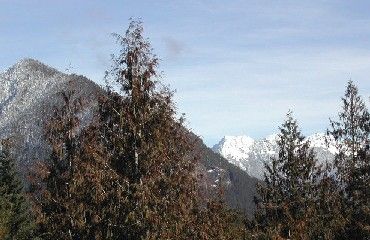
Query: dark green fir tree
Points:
[286, 203]
[15, 216]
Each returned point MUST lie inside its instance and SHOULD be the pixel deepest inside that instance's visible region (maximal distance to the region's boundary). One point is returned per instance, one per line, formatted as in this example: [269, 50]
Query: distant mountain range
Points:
[30, 90]
[251, 155]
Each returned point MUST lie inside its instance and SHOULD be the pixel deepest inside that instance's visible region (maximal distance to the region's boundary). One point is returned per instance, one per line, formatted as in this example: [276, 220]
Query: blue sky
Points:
[237, 66]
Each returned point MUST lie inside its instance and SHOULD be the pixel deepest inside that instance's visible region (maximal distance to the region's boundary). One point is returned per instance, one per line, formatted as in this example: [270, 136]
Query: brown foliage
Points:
[132, 173]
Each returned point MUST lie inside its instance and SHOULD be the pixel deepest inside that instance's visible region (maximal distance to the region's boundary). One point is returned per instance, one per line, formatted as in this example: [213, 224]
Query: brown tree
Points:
[328, 220]
[352, 135]
[131, 174]
[73, 191]
[147, 146]
[151, 150]
[217, 220]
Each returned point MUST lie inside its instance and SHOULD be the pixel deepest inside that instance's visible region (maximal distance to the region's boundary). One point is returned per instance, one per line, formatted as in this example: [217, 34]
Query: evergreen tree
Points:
[351, 133]
[148, 147]
[54, 176]
[285, 205]
[132, 173]
[328, 221]
[15, 217]
[74, 190]
[151, 150]
[217, 220]
[5, 215]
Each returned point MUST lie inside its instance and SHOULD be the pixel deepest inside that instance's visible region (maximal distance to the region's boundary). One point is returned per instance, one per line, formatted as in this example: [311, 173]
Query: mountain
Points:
[240, 187]
[29, 92]
[251, 155]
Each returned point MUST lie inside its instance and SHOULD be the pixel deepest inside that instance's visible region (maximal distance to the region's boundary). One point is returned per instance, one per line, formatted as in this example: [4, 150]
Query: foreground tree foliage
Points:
[130, 174]
[76, 193]
[5, 214]
[286, 203]
[55, 178]
[151, 150]
[328, 221]
[352, 164]
[148, 147]
[15, 216]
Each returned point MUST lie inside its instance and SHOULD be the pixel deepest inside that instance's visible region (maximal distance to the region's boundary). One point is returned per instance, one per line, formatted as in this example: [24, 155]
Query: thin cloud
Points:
[174, 47]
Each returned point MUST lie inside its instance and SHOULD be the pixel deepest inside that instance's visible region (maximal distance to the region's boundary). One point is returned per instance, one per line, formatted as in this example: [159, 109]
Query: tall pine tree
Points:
[151, 150]
[15, 217]
[352, 164]
[285, 205]
[148, 147]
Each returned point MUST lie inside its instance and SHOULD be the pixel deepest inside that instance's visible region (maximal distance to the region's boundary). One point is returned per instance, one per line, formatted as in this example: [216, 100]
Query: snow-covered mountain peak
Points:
[28, 62]
[251, 155]
[272, 138]
[235, 148]
[31, 67]
[321, 140]
[239, 140]
[29, 91]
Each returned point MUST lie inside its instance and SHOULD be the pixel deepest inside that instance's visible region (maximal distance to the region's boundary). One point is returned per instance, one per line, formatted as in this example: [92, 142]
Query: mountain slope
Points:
[31, 90]
[240, 187]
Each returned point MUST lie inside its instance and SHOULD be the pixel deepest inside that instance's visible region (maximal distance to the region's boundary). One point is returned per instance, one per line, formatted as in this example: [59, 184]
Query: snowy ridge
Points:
[319, 140]
[235, 148]
[251, 155]
[29, 91]
[23, 85]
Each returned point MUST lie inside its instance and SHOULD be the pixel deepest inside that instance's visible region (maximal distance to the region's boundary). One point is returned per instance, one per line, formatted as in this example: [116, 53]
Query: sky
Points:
[237, 66]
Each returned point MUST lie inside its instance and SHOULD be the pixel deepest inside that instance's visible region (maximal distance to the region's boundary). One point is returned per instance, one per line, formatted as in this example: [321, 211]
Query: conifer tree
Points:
[74, 191]
[151, 150]
[328, 221]
[15, 217]
[351, 133]
[148, 147]
[129, 175]
[54, 176]
[217, 220]
[5, 215]
[285, 205]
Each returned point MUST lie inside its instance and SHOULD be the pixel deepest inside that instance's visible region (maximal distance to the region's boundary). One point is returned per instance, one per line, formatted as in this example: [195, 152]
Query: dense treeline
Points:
[132, 172]
[300, 199]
